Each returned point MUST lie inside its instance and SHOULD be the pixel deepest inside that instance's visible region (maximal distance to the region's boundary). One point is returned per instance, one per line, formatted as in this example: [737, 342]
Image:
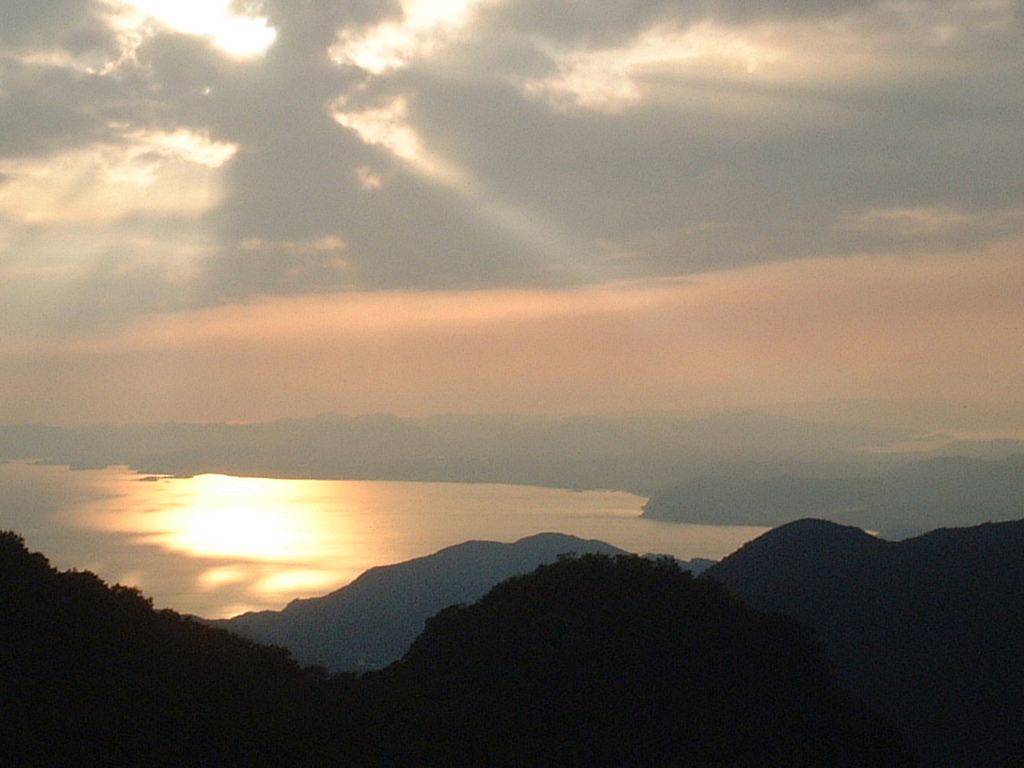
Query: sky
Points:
[244, 211]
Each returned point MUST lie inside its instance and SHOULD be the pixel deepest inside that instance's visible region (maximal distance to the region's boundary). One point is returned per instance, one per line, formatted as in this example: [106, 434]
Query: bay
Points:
[216, 546]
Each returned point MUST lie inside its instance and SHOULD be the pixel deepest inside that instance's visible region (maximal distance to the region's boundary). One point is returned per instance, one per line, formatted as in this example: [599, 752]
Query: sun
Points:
[237, 35]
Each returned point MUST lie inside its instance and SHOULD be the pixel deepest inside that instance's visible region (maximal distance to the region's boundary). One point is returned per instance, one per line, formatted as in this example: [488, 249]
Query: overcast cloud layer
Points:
[174, 164]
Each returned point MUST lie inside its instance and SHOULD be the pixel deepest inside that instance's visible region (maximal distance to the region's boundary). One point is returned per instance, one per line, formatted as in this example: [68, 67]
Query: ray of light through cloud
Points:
[608, 79]
[166, 163]
[389, 128]
[170, 171]
[424, 27]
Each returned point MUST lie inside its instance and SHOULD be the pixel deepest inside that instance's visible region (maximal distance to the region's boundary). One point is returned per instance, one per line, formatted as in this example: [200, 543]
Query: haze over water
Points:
[215, 545]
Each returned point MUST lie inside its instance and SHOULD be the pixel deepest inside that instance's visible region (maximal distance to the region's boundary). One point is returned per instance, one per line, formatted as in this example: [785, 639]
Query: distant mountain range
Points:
[928, 631]
[636, 453]
[373, 621]
[907, 499]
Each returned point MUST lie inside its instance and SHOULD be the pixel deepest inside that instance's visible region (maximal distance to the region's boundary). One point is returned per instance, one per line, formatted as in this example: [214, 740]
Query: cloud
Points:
[259, 268]
[152, 162]
[691, 143]
[423, 28]
[138, 171]
[237, 34]
[69, 26]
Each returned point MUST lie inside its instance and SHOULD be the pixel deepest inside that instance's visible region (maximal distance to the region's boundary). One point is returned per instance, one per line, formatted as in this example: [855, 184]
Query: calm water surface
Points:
[215, 545]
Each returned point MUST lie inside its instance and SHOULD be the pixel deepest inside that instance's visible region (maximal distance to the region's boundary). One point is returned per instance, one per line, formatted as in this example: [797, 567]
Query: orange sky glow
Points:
[806, 330]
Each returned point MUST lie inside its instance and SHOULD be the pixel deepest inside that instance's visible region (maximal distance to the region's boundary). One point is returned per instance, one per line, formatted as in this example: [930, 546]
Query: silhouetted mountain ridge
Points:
[637, 453]
[598, 661]
[629, 662]
[373, 621]
[912, 497]
[92, 675]
[929, 630]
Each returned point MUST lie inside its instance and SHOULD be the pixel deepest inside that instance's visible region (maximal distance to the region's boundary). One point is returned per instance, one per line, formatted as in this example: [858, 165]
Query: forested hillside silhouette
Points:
[620, 661]
[928, 631]
[92, 675]
[594, 661]
[372, 621]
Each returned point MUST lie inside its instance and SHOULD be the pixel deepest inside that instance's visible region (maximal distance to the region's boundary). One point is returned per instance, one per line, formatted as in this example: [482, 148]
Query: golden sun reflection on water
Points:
[252, 542]
[241, 517]
[216, 546]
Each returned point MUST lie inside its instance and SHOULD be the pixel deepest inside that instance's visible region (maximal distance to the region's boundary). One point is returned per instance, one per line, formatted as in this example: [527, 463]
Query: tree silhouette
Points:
[92, 675]
[612, 661]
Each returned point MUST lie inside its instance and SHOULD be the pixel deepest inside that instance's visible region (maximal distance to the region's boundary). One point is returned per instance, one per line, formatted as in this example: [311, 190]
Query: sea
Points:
[216, 545]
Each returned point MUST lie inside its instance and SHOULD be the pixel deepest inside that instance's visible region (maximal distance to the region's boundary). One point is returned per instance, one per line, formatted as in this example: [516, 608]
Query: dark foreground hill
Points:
[928, 631]
[590, 662]
[92, 675]
[373, 621]
[621, 661]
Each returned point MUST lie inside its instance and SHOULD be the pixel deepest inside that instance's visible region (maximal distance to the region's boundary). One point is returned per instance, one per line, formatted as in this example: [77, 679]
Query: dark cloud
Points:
[312, 24]
[606, 23]
[296, 179]
[407, 236]
[117, 286]
[45, 108]
[738, 171]
[76, 26]
[689, 190]
[260, 268]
